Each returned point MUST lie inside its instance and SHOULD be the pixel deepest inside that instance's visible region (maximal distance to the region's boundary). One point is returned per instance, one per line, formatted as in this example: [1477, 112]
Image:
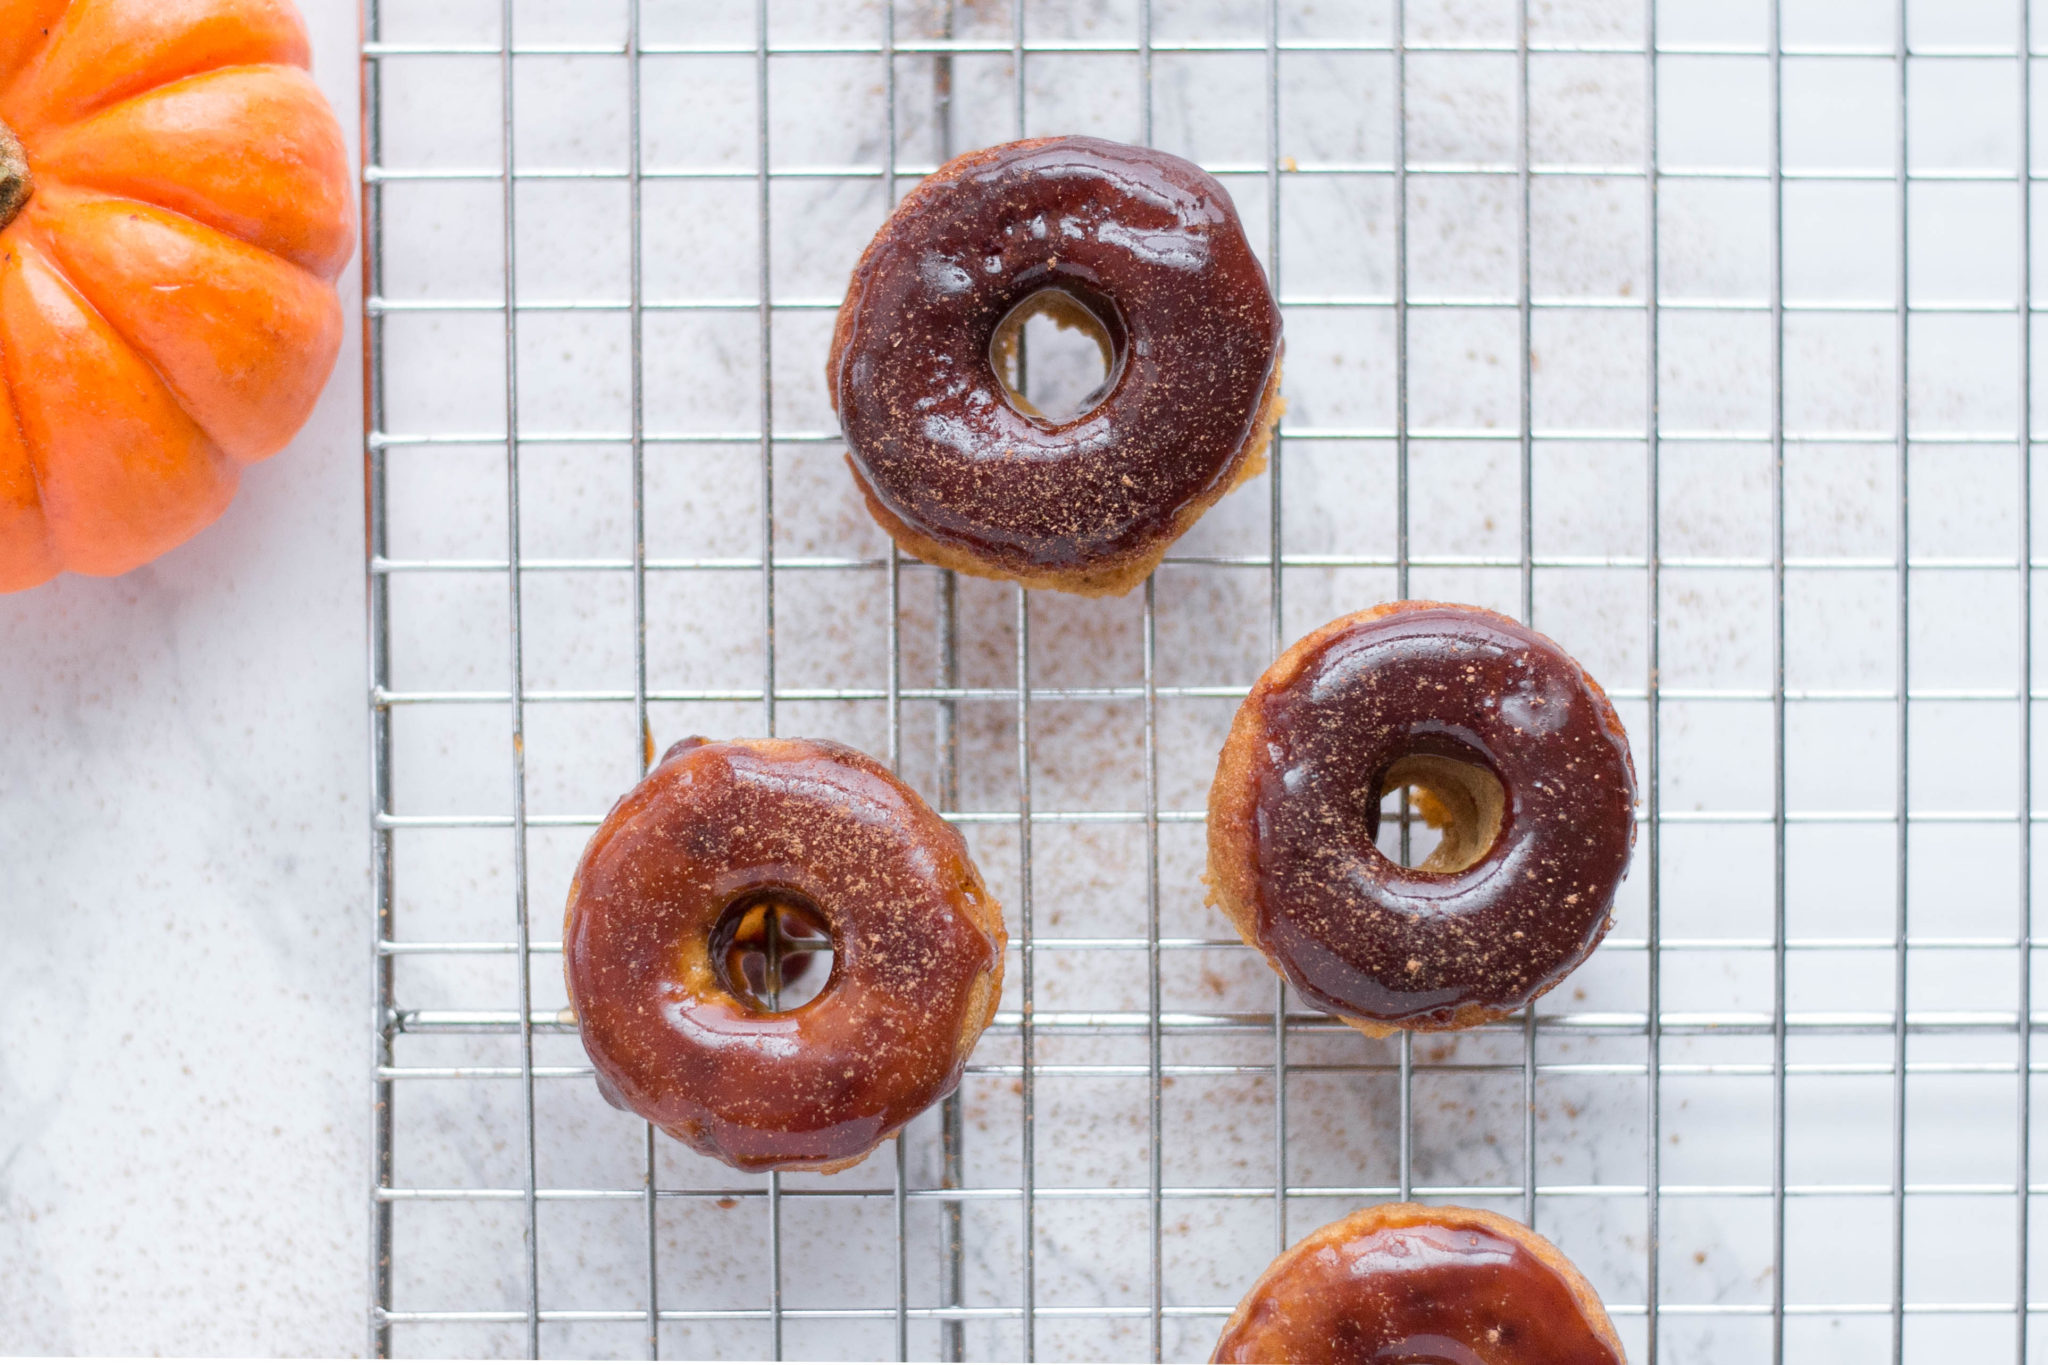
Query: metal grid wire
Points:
[2000, 1296]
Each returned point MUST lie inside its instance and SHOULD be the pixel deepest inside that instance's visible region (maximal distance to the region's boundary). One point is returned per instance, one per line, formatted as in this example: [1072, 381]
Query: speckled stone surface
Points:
[183, 988]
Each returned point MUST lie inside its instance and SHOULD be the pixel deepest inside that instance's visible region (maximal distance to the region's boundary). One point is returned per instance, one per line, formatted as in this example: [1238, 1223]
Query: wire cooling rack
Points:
[1640, 324]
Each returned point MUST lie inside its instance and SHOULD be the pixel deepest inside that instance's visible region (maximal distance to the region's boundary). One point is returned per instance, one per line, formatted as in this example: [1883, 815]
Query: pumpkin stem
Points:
[15, 184]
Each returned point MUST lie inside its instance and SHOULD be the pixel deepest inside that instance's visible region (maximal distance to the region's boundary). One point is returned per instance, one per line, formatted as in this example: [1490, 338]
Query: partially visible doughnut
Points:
[1406, 1284]
[726, 843]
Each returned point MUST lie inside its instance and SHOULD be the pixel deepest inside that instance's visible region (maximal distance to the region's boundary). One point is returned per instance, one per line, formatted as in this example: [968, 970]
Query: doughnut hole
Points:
[1057, 355]
[1463, 803]
[773, 951]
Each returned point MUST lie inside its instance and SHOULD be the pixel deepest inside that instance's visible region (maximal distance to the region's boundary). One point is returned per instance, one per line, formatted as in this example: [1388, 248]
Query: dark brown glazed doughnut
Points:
[960, 475]
[724, 842]
[1405, 1284]
[1519, 757]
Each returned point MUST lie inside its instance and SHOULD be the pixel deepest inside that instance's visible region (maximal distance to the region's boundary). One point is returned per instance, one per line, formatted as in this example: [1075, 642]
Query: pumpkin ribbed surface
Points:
[167, 309]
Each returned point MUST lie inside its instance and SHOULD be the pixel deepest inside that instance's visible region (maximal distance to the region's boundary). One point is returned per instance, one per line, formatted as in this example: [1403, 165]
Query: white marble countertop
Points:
[183, 979]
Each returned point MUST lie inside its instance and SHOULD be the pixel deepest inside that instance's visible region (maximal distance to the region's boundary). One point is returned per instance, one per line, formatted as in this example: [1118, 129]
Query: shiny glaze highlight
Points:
[1147, 242]
[917, 967]
[1294, 816]
[1403, 1284]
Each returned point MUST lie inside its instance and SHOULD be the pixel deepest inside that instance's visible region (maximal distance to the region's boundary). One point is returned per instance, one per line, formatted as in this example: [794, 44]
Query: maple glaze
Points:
[719, 829]
[956, 471]
[1423, 691]
[1405, 1284]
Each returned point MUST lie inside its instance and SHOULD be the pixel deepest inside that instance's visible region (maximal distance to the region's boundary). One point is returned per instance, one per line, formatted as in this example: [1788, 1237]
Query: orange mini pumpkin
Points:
[174, 209]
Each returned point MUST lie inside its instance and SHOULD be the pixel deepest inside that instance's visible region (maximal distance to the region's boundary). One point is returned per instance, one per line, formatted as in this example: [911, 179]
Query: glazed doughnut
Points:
[1412, 1285]
[724, 844]
[1517, 754]
[1145, 246]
